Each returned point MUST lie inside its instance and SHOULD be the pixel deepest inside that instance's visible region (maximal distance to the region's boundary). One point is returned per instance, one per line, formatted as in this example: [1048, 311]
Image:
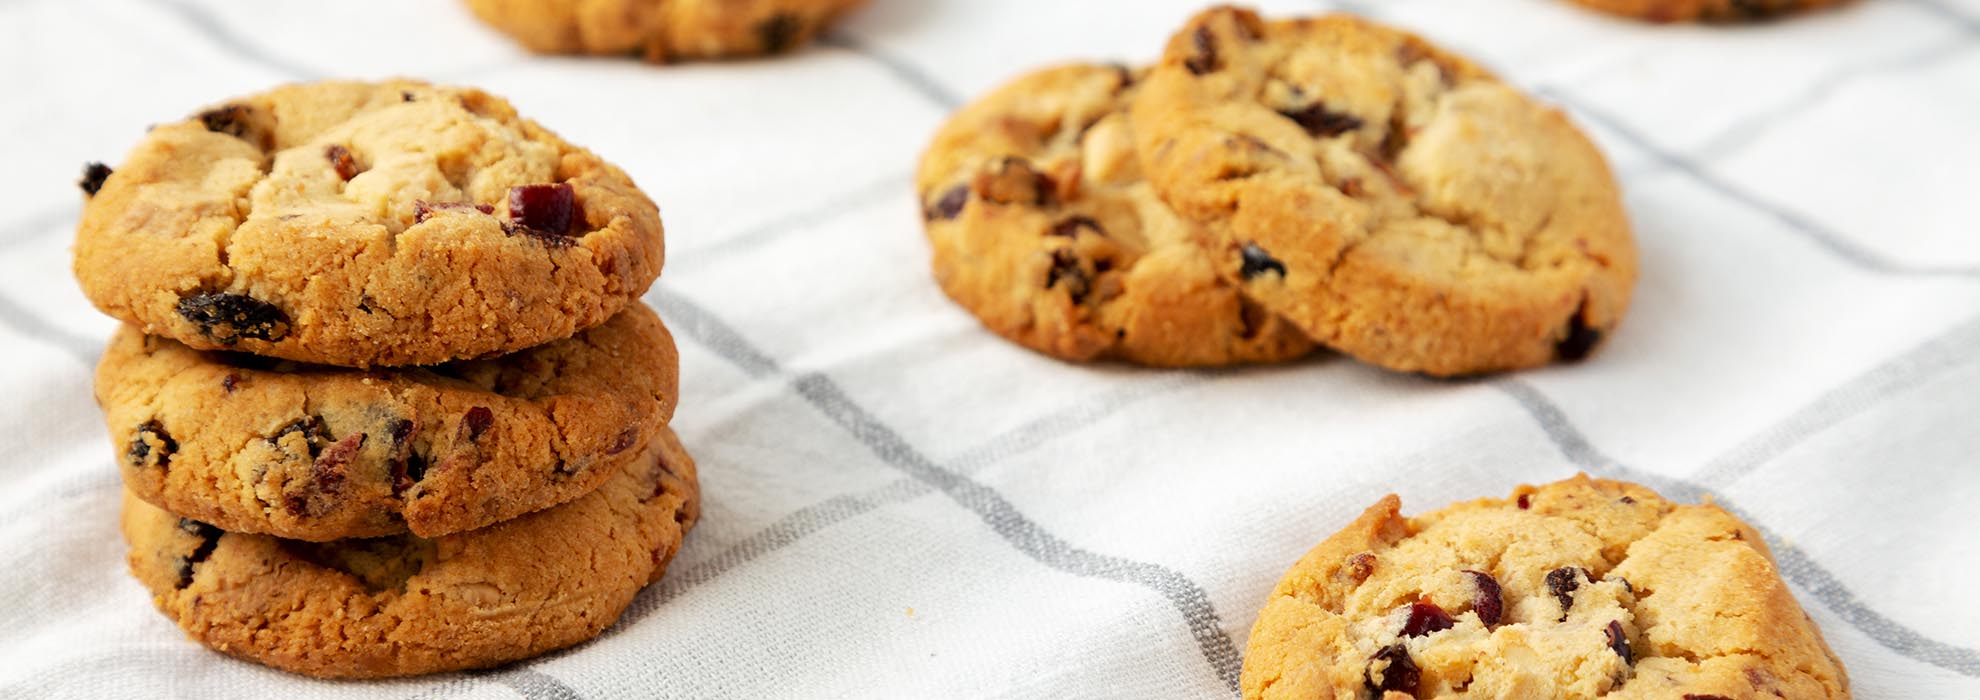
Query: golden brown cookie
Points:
[362, 224]
[662, 30]
[1043, 227]
[1574, 590]
[1705, 10]
[1394, 201]
[403, 605]
[309, 452]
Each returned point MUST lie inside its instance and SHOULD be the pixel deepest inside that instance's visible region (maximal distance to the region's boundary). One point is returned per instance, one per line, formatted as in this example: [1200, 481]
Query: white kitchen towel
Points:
[901, 505]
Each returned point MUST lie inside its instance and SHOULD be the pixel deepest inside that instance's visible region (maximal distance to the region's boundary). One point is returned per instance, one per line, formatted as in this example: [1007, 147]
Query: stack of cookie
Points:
[386, 401]
[1270, 187]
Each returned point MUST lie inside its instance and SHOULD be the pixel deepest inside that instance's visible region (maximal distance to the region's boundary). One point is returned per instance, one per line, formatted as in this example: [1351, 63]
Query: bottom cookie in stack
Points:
[404, 605]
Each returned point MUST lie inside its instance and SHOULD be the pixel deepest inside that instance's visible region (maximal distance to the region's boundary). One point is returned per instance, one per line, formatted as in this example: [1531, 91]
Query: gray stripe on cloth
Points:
[1190, 599]
[28, 324]
[534, 685]
[906, 72]
[1793, 563]
[218, 34]
[1747, 131]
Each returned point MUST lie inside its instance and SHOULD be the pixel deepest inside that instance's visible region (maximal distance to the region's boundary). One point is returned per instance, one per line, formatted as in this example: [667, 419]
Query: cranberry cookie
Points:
[1043, 227]
[1392, 200]
[662, 30]
[309, 452]
[1574, 590]
[404, 605]
[1705, 10]
[362, 224]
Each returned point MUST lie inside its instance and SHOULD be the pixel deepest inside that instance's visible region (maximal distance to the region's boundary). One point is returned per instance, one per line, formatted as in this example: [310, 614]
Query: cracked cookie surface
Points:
[362, 224]
[1573, 590]
[1394, 201]
[662, 30]
[1043, 227]
[1705, 10]
[403, 605]
[311, 452]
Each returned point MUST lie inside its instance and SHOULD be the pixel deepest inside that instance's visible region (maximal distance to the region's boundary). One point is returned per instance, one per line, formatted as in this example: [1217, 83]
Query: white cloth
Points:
[900, 504]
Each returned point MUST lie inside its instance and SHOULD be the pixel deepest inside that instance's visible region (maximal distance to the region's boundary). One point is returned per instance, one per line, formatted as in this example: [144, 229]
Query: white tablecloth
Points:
[900, 504]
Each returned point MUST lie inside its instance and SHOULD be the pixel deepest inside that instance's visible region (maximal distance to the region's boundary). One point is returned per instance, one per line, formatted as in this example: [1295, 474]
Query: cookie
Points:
[361, 224]
[309, 452]
[403, 605]
[1392, 200]
[1705, 10]
[1043, 227]
[662, 30]
[1577, 589]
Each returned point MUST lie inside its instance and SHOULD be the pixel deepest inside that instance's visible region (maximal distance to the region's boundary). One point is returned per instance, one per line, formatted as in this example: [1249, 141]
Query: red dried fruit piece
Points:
[92, 178]
[476, 421]
[1400, 674]
[624, 442]
[1525, 501]
[1489, 602]
[1562, 582]
[341, 160]
[1360, 566]
[1425, 617]
[1619, 642]
[543, 209]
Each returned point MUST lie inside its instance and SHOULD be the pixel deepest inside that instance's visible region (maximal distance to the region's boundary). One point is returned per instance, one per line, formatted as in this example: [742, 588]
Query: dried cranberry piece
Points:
[779, 32]
[227, 318]
[1069, 227]
[151, 446]
[1562, 582]
[1321, 123]
[1401, 674]
[209, 538]
[543, 209]
[1360, 566]
[624, 442]
[341, 160]
[1489, 603]
[950, 204]
[1257, 262]
[476, 421]
[1619, 642]
[1425, 617]
[1525, 501]
[92, 178]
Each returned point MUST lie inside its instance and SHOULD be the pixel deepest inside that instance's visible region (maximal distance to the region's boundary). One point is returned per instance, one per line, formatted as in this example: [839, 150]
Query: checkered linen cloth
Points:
[899, 504]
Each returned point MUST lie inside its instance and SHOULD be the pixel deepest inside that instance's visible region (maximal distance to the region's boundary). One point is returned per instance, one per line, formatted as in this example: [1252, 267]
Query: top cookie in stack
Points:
[1328, 178]
[361, 224]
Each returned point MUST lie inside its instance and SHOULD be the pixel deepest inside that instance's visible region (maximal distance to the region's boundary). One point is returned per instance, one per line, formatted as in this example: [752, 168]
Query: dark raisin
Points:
[227, 318]
[1400, 673]
[543, 209]
[1065, 268]
[624, 442]
[1627, 500]
[1562, 582]
[405, 96]
[1425, 617]
[476, 421]
[1619, 642]
[1204, 59]
[407, 470]
[151, 446]
[230, 120]
[1069, 227]
[1489, 602]
[92, 178]
[1580, 339]
[950, 204]
[1258, 262]
[340, 159]
[209, 538]
[1321, 123]
[779, 32]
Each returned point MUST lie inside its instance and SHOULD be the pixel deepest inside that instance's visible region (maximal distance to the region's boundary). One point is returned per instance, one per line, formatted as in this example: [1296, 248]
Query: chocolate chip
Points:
[229, 119]
[1258, 262]
[624, 442]
[950, 204]
[779, 32]
[476, 421]
[1425, 617]
[226, 318]
[1069, 227]
[423, 210]
[1562, 582]
[543, 210]
[1065, 268]
[1204, 59]
[92, 178]
[340, 159]
[1321, 123]
[151, 446]
[1489, 602]
[1400, 675]
[209, 538]
[1579, 340]
[1619, 642]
